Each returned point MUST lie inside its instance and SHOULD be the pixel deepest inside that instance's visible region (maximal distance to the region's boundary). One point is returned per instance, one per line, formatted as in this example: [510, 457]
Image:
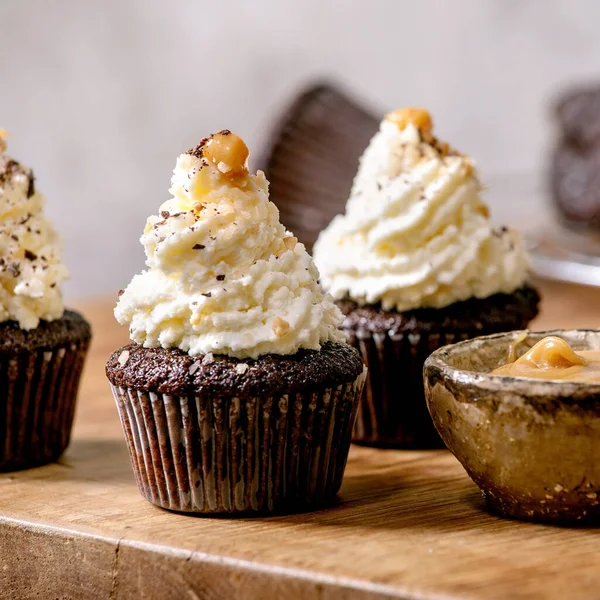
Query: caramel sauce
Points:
[552, 359]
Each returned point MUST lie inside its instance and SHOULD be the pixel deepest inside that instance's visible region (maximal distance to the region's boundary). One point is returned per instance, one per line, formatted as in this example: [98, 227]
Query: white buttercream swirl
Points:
[224, 276]
[416, 232]
[31, 269]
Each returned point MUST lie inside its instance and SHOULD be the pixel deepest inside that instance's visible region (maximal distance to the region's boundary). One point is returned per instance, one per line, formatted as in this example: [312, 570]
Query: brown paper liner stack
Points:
[227, 455]
[312, 156]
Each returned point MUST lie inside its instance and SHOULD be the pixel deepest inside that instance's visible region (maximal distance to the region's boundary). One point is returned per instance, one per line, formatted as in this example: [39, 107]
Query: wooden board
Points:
[407, 524]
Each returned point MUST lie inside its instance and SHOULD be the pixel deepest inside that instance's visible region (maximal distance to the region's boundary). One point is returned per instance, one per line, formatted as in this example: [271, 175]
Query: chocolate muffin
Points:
[42, 346]
[415, 264]
[239, 393]
[220, 434]
[40, 371]
[575, 163]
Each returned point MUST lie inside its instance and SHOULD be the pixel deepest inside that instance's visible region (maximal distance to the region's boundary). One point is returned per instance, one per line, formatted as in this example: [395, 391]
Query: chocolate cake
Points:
[575, 164]
[39, 378]
[217, 434]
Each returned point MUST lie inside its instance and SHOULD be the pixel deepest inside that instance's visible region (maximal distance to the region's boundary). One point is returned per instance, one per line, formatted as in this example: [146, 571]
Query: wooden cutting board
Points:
[408, 524]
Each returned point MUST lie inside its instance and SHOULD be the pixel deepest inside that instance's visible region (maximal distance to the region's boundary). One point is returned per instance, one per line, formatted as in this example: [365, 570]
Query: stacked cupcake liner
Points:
[38, 390]
[218, 454]
[312, 157]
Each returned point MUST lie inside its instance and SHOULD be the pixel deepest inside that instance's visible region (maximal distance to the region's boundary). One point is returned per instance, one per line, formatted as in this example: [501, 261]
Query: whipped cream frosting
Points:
[31, 269]
[416, 232]
[224, 276]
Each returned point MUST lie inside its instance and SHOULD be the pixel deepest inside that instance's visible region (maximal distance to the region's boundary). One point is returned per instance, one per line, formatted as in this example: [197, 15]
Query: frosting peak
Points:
[31, 270]
[224, 276]
[416, 232]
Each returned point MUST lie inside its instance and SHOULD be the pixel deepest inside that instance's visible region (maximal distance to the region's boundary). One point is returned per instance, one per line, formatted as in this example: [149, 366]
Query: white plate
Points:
[564, 255]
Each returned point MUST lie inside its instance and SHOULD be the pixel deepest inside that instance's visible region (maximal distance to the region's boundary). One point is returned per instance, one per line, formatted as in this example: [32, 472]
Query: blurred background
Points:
[101, 97]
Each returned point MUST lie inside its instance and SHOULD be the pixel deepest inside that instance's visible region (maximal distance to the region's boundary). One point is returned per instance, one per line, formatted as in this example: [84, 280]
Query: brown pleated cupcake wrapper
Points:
[38, 390]
[312, 158]
[392, 411]
[227, 455]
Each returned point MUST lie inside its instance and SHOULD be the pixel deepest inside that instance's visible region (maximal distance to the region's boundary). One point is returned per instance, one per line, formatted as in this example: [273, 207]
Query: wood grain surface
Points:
[408, 524]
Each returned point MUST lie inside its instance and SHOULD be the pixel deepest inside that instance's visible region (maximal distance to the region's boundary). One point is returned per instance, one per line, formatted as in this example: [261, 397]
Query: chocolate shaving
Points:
[165, 214]
[14, 237]
[198, 247]
[197, 151]
[207, 294]
[31, 186]
[120, 293]
[220, 277]
[11, 168]
[29, 255]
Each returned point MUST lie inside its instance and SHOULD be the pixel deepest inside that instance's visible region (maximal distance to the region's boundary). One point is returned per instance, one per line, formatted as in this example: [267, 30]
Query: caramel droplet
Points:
[280, 326]
[3, 136]
[228, 152]
[419, 117]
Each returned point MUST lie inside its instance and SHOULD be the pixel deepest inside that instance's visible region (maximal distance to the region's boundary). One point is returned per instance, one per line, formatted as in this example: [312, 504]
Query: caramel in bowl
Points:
[532, 445]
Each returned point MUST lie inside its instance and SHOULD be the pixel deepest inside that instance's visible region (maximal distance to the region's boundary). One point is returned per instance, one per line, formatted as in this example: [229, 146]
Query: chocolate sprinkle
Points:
[29, 255]
[220, 277]
[31, 186]
[15, 269]
[197, 151]
[207, 294]
[198, 247]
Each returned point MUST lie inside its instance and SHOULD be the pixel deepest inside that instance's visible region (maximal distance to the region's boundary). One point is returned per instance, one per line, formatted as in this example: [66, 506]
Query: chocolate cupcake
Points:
[575, 168]
[415, 264]
[239, 393]
[42, 346]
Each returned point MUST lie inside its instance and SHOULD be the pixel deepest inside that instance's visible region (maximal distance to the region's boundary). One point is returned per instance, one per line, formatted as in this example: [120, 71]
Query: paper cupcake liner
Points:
[38, 390]
[204, 454]
[312, 157]
[392, 410]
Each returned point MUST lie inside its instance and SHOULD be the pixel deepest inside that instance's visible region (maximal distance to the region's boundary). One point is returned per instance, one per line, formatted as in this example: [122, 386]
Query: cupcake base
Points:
[394, 346]
[247, 436]
[39, 379]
